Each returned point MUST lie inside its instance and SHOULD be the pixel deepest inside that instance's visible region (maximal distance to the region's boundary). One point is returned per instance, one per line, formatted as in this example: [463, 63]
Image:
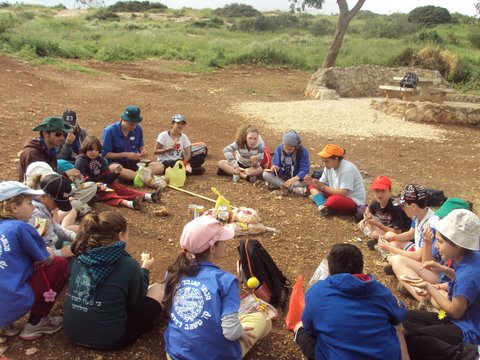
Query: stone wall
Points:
[429, 112]
[358, 81]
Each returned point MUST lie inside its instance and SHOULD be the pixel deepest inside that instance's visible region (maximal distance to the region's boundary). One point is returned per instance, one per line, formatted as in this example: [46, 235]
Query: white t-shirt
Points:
[429, 219]
[347, 176]
[166, 141]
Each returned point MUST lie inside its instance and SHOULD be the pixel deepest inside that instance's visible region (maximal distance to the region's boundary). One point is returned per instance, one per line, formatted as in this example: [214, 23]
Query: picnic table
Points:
[428, 89]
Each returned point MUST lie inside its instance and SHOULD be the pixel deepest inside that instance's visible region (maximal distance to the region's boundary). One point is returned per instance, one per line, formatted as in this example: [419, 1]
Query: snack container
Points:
[199, 210]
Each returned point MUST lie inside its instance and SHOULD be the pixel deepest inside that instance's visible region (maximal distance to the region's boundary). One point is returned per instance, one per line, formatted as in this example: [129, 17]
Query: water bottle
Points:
[320, 274]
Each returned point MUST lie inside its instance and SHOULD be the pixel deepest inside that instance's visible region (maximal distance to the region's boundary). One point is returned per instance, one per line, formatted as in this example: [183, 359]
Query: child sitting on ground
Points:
[381, 215]
[428, 335]
[109, 301]
[203, 300]
[32, 277]
[290, 164]
[350, 315]
[244, 156]
[174, 145]
[57, 190]
[95, 168]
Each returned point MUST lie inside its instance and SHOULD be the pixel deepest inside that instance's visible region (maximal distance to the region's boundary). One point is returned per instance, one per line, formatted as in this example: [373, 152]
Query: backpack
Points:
[435, 197]
[410, 80]
[255, 261]
[199, 153]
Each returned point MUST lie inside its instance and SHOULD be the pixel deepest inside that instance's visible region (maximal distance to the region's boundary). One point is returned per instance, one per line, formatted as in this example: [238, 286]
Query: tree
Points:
[344, 19]
[430, 15]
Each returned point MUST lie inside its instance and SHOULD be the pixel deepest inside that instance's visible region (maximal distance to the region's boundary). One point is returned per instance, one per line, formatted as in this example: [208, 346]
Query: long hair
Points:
[99, 230]
[242, 132]
[184, 264]
[91, 142]
[6, 206]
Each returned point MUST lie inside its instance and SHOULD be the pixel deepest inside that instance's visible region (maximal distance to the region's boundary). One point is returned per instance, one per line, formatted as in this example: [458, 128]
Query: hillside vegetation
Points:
[427, 37]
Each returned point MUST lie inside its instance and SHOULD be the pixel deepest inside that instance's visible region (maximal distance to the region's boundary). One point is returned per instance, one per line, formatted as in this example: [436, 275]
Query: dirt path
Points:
[449, 161]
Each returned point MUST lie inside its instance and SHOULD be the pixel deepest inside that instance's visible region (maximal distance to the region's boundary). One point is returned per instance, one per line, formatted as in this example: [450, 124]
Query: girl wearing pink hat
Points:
[203, 300]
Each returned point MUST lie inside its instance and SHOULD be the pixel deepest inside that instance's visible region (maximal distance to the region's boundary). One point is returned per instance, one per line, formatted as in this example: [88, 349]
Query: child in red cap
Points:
[381, 215]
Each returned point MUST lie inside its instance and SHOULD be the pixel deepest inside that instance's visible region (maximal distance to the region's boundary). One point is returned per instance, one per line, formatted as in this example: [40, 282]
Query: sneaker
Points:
[156, 195]
[251, 179]
[137, 203]
[388, 269]
[371, 244]
[10, 330]
[47, 326]
[325, 210]
[384, 254]
[300, 191]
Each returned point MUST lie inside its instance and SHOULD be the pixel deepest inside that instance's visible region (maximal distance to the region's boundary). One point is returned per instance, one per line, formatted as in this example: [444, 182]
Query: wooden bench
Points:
[437, 94]
[392, 90]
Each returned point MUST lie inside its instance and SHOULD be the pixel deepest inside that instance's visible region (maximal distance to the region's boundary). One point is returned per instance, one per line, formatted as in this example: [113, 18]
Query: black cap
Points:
[59, 189]
[70, 117]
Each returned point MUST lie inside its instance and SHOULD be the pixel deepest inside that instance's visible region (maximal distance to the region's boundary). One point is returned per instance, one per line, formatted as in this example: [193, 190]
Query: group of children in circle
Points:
[110, 301]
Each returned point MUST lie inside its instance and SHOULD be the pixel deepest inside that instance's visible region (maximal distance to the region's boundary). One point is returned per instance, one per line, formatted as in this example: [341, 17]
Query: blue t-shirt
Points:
[467, 285]
[20, 247]
[113, 140]
[200, 302]
[353, 318]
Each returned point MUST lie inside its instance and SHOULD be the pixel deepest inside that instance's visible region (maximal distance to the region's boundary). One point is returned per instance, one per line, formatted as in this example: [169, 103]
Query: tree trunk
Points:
[342, 26]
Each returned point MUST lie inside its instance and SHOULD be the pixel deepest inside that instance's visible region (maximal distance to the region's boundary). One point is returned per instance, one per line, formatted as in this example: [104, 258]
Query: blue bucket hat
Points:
[132, 114]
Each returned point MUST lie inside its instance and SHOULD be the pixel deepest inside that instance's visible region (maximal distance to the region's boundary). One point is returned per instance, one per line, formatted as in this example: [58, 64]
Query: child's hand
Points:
[427, 235]
[147, 261]
[430, 265]
[390, 236]
[118, 169]
[101, 186]
[247, 336]
[254, 161]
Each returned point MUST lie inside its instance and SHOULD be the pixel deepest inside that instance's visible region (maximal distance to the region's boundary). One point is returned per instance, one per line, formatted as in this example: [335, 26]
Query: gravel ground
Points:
[334, 117]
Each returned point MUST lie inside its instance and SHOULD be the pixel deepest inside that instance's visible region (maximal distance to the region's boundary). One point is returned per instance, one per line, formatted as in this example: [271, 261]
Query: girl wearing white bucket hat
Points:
[456, 335]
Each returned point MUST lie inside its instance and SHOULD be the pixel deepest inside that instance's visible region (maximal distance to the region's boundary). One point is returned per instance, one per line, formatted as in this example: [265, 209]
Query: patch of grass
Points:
[206, 40]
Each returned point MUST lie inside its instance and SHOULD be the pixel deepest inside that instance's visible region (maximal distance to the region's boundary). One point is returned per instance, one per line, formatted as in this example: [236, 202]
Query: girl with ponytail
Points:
[109, 301]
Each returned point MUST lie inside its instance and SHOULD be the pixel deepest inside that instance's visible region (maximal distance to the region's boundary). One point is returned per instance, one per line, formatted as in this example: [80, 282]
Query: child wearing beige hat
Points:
[428, 336]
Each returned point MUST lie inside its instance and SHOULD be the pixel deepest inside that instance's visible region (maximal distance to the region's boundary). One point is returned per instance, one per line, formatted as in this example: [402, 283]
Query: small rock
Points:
[31, 351]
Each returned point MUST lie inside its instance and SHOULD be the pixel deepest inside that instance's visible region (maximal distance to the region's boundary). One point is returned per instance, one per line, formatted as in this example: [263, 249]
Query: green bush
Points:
[474, 37]
[214, 22]
[4, 4]
[7, 22]
[391, 27]
[430, 15]
[268, 23]
[366, 15]
[103, 15]
[429, 37]
[405, 58]
[237, 10]
[136, 6]
[322, 27]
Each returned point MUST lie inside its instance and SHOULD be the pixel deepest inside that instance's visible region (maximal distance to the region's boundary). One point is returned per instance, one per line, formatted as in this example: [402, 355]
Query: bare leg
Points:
[156, 168]
[126, 174]
[226, 167]
[67, 219]
[404, 266]
[403, 344]
[156, 292]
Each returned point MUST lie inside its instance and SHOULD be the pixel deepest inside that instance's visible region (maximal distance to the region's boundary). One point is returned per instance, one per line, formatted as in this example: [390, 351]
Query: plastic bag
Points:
[221, 201]
[320, 274]
[142, 173]
[250, 304]
[295, 305]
